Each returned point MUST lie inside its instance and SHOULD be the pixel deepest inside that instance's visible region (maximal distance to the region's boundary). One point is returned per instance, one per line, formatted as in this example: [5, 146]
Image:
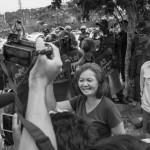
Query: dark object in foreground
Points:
[21, 51]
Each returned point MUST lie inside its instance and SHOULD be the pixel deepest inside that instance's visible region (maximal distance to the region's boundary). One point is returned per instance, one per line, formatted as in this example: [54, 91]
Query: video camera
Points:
[20, 51]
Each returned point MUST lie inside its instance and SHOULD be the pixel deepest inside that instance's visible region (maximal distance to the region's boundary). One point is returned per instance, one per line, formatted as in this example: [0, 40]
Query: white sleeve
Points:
[142, 80]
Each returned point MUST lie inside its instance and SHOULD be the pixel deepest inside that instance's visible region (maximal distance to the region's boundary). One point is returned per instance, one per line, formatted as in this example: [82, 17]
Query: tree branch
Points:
[116, 17]
[119, 11]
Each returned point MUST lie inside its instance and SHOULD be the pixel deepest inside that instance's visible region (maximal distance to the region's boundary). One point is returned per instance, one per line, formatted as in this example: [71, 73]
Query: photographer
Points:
[42, 74]
[19, 29]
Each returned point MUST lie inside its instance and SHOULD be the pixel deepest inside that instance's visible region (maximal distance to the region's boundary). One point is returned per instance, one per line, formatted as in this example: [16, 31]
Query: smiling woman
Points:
[88, 83]
[92, 104]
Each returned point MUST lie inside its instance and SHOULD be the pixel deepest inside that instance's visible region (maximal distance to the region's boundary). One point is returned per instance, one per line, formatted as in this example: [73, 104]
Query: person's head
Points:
[120, 142]
[103, 25]
[68, 28]
[51, 37]
[18, 29]
[90, 80]
[46, 32]
[65, 41]
[72, 132]
[83, 29]
[59, 29]
[88, 47]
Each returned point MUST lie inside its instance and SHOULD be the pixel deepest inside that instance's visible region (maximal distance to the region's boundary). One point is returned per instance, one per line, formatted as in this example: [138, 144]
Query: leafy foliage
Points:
[138, 6]
[73, 9]
[55, 4]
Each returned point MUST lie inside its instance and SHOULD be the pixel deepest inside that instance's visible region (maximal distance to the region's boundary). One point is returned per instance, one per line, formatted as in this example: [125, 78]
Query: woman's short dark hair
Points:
[72, 132]
[103, 88]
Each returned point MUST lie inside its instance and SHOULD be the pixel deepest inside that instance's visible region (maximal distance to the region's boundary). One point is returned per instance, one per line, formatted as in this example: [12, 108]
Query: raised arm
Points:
[42, 74]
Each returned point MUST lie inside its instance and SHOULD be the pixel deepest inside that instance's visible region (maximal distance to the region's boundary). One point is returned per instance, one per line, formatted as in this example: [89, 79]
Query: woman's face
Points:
[88, 83]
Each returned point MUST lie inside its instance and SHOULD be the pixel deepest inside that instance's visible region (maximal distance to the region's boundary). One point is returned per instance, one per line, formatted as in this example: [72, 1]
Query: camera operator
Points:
[43, 72]
[19, 29]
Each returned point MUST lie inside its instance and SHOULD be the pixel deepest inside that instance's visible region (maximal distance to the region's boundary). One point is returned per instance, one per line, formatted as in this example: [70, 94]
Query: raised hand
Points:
[46, 69]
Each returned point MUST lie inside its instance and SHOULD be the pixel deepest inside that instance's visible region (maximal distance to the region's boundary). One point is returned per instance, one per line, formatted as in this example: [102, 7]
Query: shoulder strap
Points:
[42, 141]
[12, 85]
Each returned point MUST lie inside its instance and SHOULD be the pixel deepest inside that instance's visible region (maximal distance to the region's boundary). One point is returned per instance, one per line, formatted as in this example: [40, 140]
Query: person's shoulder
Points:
[108, 103]
[78, 100]
[75, 52]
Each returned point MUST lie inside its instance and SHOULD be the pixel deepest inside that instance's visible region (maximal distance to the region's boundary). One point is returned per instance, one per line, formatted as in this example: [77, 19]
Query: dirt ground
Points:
[130, 113]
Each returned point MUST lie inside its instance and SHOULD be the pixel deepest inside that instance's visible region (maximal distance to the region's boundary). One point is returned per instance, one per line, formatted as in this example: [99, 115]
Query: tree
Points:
[55, 4]
[74, 10]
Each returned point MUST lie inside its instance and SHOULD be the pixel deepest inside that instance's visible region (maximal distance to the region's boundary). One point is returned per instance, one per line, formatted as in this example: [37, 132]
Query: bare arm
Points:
[119, 129]
[42, 74]
[37, 113]
[51, 101]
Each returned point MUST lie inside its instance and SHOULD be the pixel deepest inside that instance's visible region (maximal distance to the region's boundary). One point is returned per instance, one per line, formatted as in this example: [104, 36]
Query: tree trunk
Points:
[132, 20]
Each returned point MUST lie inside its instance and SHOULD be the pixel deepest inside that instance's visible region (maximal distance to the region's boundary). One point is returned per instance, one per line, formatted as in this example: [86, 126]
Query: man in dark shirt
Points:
[83, 34]
[109, 51]
[140, 54]
[121, 41]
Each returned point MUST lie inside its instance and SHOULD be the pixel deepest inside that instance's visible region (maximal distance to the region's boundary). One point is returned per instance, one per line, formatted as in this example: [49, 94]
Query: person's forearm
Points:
[37, 113]
[119, 129]
[50, 98]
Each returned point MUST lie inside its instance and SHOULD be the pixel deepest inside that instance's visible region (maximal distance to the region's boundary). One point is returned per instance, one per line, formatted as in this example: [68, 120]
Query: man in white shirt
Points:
[145, 93]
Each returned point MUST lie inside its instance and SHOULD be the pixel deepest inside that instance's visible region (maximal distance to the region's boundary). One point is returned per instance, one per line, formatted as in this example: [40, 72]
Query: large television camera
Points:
[18, 51]
[21, 51]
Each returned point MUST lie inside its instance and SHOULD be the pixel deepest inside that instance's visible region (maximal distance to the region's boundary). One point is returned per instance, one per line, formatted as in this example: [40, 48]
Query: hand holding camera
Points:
[45, 69]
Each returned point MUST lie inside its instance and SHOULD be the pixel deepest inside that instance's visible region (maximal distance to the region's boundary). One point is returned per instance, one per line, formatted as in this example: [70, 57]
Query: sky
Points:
[13, 5]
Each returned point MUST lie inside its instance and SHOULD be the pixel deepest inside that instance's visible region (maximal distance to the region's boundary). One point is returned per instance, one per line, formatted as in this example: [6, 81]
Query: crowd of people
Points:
[71, 95]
